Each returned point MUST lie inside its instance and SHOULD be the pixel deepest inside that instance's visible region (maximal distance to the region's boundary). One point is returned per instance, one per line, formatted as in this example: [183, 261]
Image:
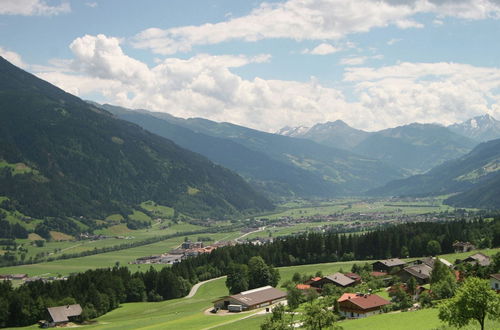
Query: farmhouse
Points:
[337, 279]
[352, 305]
[495, 282]
[421, 272]
[387, 265]
[478, 258]
[63, 314]
[251, 299]
[460, 247]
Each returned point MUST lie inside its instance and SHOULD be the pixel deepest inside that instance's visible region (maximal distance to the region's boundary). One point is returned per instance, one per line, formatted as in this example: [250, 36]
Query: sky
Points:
[371, 63]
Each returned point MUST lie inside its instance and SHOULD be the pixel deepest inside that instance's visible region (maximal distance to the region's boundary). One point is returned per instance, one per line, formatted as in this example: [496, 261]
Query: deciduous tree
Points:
[474, 300]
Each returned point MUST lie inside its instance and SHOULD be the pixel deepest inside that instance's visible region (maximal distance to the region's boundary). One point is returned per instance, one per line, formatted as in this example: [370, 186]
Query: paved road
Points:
[255, 231]
[197, 286]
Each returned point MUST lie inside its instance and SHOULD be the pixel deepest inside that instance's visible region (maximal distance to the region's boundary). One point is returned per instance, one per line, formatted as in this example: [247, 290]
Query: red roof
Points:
[303, 286]
[367, 301]
[346, 296]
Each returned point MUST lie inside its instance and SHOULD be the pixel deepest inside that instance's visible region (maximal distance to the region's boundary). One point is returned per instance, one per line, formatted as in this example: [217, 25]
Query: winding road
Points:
[197, 286]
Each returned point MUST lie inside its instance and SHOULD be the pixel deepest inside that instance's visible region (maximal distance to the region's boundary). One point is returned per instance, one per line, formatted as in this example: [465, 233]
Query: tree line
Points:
[97, 291]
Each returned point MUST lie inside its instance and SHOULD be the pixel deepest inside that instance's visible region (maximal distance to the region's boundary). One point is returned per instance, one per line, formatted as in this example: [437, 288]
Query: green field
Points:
[349, 206]
[57, 248]
[102, 260]
[173, 314]
[276, 231]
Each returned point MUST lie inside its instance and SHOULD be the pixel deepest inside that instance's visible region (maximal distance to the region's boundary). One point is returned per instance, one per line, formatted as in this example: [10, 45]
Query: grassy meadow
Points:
[349, 206]
[109, 259]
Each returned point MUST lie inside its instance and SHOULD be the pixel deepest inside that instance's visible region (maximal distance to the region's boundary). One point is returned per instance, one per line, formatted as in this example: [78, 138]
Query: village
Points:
[373, 288]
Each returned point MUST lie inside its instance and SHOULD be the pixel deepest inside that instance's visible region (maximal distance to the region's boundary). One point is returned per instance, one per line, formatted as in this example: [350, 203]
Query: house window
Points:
[352, 314]
[496, 285]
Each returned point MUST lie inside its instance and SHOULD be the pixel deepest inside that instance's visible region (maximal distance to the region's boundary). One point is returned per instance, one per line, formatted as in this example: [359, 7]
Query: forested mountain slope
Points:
[475, 176]
[61, 156]
[294, 166]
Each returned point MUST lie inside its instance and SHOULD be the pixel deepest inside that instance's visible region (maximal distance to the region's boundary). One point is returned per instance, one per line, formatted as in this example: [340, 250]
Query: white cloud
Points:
[32, 8]
[311, 20]
[359, 60]
[321, 49]
[13, 57]
[91, 4]
[426, 92]
[393, 41]
[205, 86]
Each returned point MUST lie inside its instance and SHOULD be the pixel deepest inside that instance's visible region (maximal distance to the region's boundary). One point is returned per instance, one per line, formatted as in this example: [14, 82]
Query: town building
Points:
[388, 265]
[461, 247]
[192, 245]
[251, 299]
[355, 305]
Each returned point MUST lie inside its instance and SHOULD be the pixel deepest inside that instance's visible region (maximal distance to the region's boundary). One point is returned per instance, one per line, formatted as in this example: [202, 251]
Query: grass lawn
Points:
[422, 320]
[173, 314]
[252, 322]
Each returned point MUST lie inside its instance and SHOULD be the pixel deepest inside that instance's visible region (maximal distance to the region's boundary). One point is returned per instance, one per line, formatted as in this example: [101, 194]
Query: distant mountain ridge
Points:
[60, 156]
[336, 134]
[480, 128]
[282, 165]
[414, 147]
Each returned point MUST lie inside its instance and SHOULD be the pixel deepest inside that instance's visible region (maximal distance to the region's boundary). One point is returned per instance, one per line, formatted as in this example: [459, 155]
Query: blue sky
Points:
[373, 64]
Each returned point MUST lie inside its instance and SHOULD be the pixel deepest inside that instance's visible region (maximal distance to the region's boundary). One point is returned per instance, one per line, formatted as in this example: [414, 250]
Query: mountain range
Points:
[415, 148]
[480, 128]
[277, 165]
[61, 156]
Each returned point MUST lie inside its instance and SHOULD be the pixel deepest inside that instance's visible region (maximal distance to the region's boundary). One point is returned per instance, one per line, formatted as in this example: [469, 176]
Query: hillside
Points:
[416, 147]
[60, 156]
[474, 176]
[304, 167]
[267, 175]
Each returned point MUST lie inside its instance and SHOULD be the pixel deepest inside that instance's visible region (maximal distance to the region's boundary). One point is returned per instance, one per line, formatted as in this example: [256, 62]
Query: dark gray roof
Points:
[421, 271]
[61, 313]
[340, 279]
[394, 262]
[259, 295]
[496, 276]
